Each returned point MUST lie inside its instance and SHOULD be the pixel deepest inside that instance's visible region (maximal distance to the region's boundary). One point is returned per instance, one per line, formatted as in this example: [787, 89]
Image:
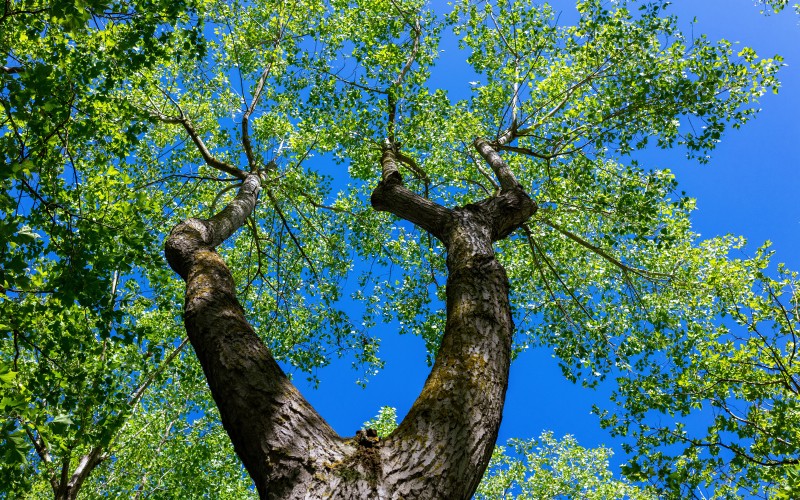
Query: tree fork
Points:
[442, 447]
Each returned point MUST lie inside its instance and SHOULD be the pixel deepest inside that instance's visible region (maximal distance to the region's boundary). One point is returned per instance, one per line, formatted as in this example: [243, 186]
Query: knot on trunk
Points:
[367, 438]
[510, 209]
[183, 242]
[379, 196]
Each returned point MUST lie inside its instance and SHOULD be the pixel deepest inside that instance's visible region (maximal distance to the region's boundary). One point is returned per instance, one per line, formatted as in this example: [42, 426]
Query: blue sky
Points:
[749, 188]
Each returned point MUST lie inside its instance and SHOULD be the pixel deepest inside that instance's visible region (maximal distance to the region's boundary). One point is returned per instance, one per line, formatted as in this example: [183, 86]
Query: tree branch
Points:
[288, 228]
[525, 151]
[248, 148]
[391, 94]
[183, 120]
[602, 253]
[274, 430]
[139, 392]
[499, 166]
[85, 466]
[390, 195]
[210, 160]
[39, 446]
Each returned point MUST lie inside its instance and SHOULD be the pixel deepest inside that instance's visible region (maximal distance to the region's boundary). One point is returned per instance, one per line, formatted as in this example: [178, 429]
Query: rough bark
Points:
[68, 486]
[442, 447]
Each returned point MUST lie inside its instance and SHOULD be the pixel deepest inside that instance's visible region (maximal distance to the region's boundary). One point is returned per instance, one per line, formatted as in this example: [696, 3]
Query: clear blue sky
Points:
[749, 188]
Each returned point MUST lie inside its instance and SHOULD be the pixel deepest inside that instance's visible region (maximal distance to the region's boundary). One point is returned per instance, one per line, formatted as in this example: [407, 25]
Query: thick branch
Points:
[392, 196]
[39, 446]
[525, 151]
[210, 160]
[206, 154]
[85, 466]
[499, 166]
[275, 432]
[187, 237]
[452, 426]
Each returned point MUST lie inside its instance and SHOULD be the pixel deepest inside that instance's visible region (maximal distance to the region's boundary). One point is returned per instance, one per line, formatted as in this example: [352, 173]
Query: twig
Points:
[602, 253]
[288, 228]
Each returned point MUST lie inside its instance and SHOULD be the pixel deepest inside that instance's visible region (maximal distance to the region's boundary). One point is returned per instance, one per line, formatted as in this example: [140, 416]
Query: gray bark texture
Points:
[442, 447]
[69, 485]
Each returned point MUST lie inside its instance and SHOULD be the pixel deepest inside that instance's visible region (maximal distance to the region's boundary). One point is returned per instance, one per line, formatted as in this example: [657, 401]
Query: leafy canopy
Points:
[122, 118]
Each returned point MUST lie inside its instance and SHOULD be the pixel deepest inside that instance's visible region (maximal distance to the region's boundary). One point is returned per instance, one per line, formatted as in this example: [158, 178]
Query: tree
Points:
[81, 344]
[518, 197]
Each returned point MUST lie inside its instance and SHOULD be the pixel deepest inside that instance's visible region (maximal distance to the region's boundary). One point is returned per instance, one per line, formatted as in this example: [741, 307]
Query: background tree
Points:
[548, 468]
[82, 336]
[281, 85]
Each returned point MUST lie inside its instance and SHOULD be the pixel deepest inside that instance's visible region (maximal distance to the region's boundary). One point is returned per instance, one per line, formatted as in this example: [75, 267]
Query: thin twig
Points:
[602, 253]
[288, 228]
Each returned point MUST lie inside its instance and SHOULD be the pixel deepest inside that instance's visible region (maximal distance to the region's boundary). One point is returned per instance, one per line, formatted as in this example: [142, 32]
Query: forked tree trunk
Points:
[67, 486]
[442, 447]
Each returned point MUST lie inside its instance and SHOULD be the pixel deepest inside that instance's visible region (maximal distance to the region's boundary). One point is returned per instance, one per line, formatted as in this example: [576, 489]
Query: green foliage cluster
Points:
[775, 6]
[83, 322]
[547, 468]
[384, 422]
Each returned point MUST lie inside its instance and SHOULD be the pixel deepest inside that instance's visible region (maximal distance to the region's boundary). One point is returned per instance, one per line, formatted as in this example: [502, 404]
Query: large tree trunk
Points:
[442, 447]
